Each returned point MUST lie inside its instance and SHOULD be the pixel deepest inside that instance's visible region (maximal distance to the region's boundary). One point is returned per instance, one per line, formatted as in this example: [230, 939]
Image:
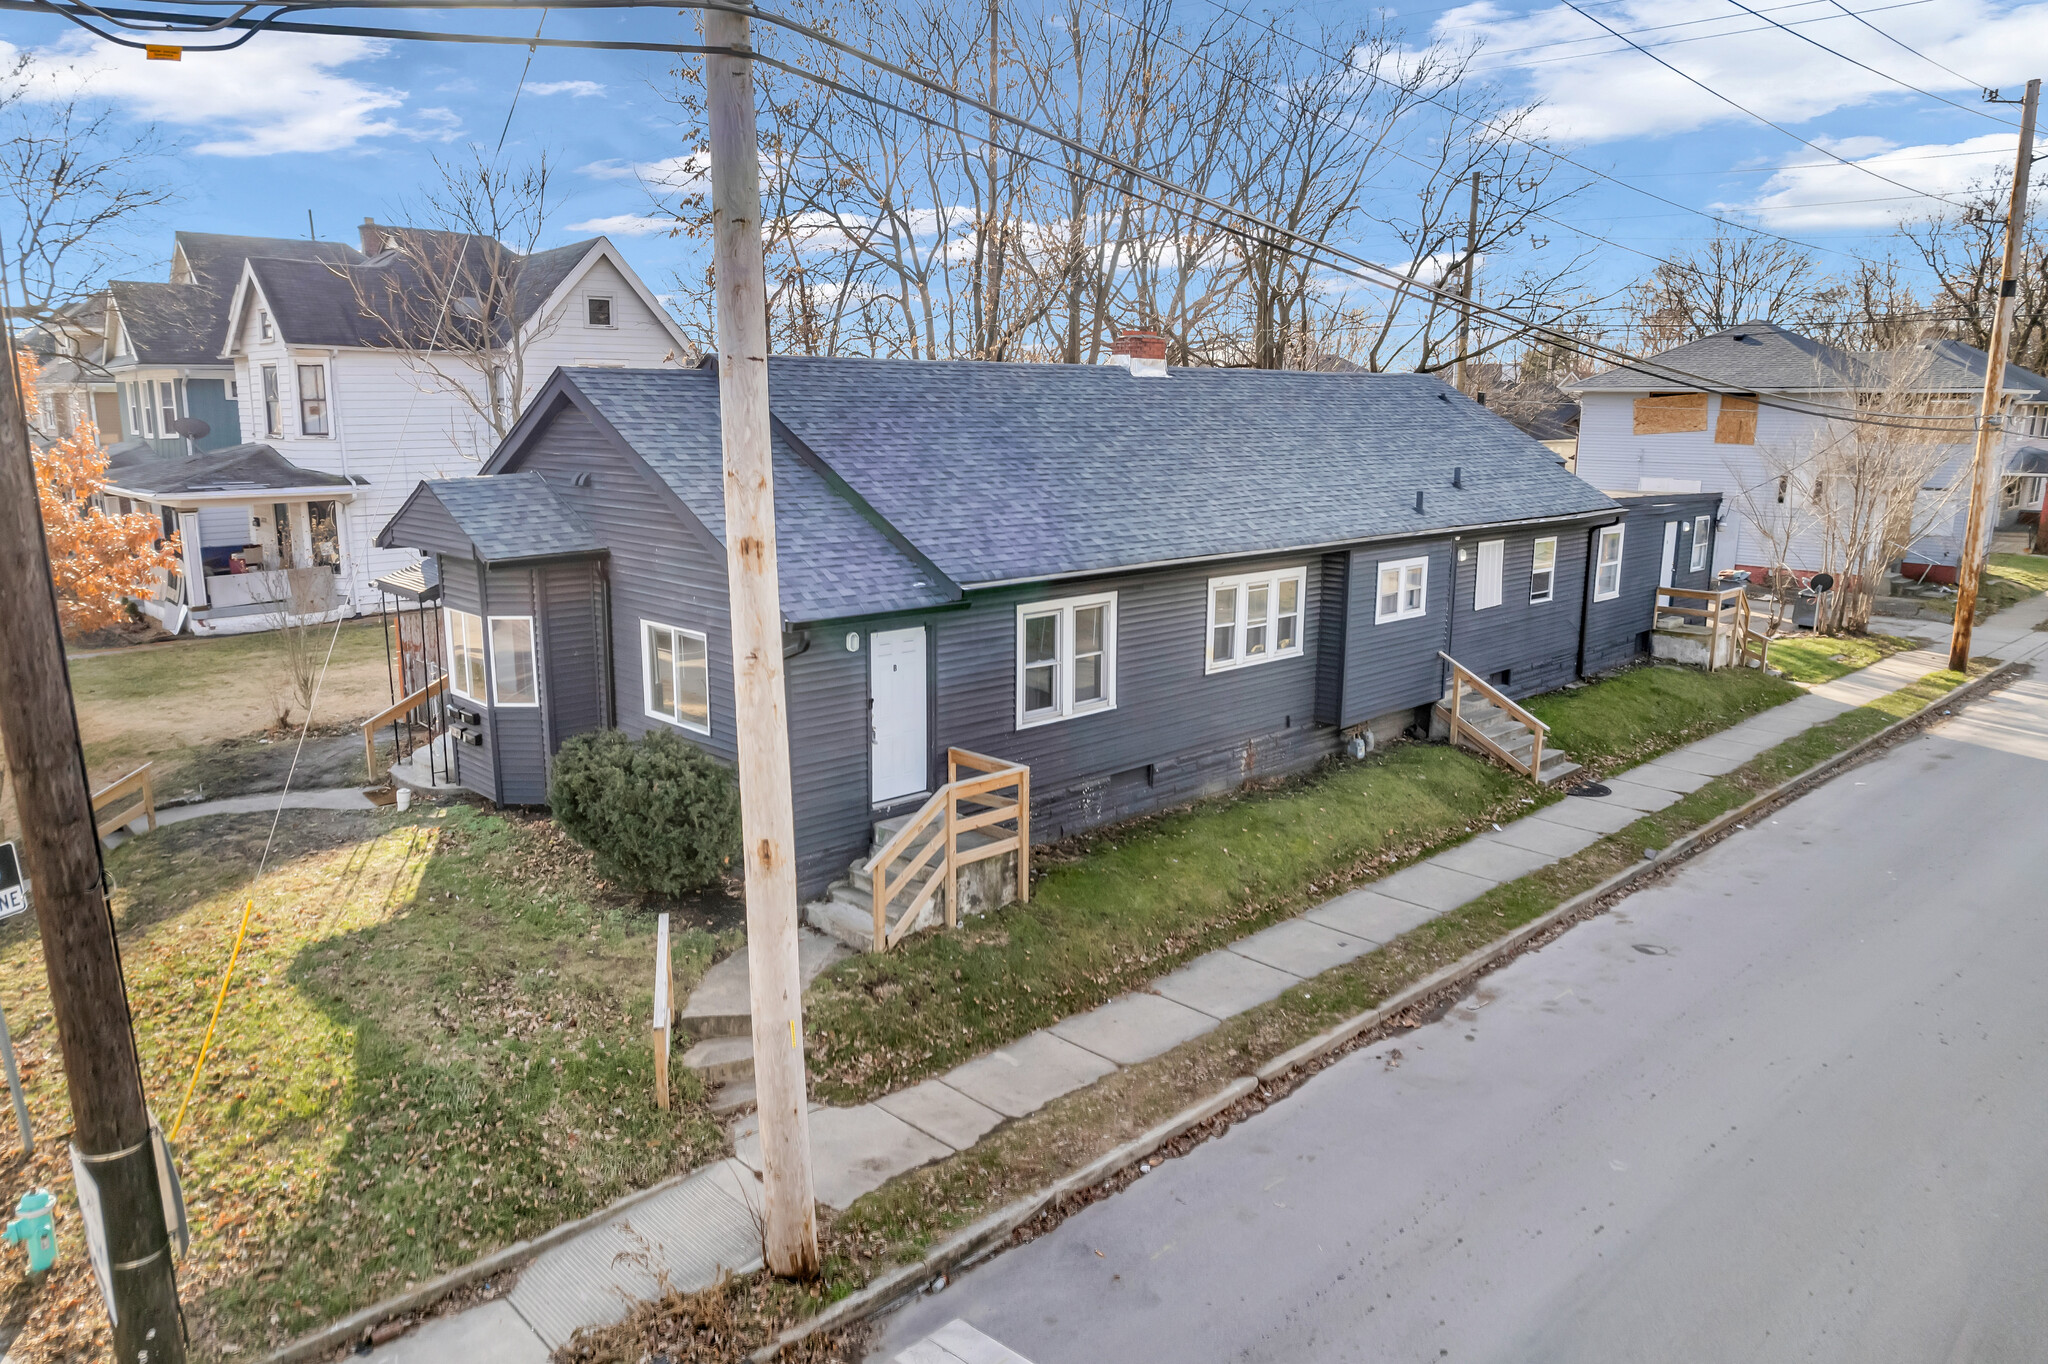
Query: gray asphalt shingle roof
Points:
[512, 516]
[136, 467]
[187, 323]
[1753, 357]
[1007, 472]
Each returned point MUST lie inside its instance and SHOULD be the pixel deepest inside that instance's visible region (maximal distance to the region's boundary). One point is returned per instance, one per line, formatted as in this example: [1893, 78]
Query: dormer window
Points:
[263, 327]
[597, 310]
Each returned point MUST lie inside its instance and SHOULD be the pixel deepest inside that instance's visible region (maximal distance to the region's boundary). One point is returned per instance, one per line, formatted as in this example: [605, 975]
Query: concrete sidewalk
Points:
[696, 1228]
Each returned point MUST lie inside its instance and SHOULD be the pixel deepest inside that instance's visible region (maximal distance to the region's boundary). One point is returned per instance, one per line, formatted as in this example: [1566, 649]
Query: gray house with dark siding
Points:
[1144, 587]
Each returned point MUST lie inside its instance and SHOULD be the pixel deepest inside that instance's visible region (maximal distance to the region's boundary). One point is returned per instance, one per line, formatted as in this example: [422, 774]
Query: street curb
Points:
[988, 1233]
[349, 1330]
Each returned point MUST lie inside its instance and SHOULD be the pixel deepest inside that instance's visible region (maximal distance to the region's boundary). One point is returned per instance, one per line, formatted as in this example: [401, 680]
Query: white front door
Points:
[899, 760]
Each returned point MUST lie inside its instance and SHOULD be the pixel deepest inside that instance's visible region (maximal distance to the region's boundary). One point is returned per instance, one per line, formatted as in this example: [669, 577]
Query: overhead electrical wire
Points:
[1858, 17]
[1735, 104]
[1881, 75]
[1271, 234]
[1668, 42]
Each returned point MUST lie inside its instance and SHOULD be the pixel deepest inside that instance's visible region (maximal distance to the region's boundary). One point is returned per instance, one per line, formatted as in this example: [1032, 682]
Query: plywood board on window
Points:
[1663, 414]
[1737, 422]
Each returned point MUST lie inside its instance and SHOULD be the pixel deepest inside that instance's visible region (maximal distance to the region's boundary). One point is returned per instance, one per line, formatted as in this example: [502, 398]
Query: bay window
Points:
[677, 680]
[1403, 589]
[1255, 618]
[1066, 658]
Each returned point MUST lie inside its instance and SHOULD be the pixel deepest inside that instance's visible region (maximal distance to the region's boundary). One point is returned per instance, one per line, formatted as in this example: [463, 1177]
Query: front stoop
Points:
[847, 913]
[1510, 733]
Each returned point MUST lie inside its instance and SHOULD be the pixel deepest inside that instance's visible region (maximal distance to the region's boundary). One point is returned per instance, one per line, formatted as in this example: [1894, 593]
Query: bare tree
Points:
[1963, 249]
[1733, 278]
[453, 291]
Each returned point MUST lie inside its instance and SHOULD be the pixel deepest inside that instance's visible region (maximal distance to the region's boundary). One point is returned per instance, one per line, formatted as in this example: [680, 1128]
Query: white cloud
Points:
[1824, 195]
[1594, 88]
[687, 174]
[625, 225]
[579, 89]
[282, 93]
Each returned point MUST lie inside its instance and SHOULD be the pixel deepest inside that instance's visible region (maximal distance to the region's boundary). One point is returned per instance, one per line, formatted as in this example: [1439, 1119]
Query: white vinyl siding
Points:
[1255, 618]
[1607, 575]
[514, 679]
[1066, 658]
[466, 656]
[1543, 570]
[676, 682]
[1486, 587]
[1403, 589]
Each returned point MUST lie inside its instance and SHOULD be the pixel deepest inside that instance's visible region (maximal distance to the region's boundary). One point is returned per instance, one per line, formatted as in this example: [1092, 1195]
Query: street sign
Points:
[13, 893]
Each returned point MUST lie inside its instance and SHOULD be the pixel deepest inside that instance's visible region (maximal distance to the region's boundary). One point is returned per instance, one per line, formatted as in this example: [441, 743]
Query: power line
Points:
[1881, 75]
[1902, 43]
[1776, 127]
[1273, 235]
[1671, 42]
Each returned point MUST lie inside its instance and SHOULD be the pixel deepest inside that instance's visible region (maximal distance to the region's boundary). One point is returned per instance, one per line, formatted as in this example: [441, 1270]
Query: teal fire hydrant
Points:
[35, 1228]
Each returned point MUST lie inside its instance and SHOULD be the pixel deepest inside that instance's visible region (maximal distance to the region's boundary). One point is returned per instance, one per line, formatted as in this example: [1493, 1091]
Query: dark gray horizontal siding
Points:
[1536, 643]
[520, 732]
[1176, 731]
[425, 524]
[1616, 630]
[572, 603]
[1331, 627]
[475, 768]
[1394, 666]
[827, 690]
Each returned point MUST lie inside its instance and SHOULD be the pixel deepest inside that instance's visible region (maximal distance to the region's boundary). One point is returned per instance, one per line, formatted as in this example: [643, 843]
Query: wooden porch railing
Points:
[1463, 677]
[117, 804]
[994, 793]
[1720, 612]
[394, 713]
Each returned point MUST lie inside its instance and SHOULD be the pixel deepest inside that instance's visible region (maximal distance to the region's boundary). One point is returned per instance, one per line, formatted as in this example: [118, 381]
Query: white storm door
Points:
[1670, 554]
[899, 760]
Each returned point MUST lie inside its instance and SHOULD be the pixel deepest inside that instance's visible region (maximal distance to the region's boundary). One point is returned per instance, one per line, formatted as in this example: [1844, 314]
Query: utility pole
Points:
[1465, 290]
[111, 1140]
[1972, 559]
[992, 250]
[767, 818]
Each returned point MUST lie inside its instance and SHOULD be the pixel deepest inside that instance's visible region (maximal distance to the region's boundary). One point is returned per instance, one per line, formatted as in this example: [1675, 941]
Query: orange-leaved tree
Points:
[98, 559]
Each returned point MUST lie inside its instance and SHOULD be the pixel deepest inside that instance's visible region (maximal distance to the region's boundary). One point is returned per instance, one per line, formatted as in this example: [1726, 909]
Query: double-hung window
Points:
[678, 682]
[1702, 536]
[466, 655]
[515, 680]
[263, 327]
[1066, 658]
[1543, 570]
[1255, 618]
[167, 394]
[1404, 589]
[149, 406]
[1607, 570]
[270, 409]
[1486, 583]
[134, 392]
[313, 400]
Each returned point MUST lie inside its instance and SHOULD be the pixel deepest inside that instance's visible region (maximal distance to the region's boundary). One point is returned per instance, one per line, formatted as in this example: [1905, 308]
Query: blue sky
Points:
[345, 128]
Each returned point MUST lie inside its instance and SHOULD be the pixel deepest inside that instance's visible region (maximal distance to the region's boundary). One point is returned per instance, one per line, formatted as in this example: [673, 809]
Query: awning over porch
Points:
[240, 473]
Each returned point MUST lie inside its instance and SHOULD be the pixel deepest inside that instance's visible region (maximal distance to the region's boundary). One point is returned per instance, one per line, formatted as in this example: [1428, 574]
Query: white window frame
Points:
[1702, 536]
[1487, 579]
[272, 398]
[1549, 592]
[457, 672]
[647, 629]
[532, 643]
[1240, 622]
[611, 311]
[324, 398]
[1613, 535]
[1064, 707]
[263, 327]
[1382, 616]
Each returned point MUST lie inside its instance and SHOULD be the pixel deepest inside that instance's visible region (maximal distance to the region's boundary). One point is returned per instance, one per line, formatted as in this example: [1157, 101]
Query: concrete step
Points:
[721, 1060]
[851, 923]
[722, 1003]
[734, 1098]
[1551, 772]
[858, 877]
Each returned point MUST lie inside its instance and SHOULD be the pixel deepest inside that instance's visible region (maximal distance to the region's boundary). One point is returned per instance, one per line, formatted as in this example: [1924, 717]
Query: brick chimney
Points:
[1142, 353]
[373, 237]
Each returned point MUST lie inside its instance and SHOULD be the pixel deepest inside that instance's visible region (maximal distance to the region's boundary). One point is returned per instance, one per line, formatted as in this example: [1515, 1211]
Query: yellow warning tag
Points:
[164, 54]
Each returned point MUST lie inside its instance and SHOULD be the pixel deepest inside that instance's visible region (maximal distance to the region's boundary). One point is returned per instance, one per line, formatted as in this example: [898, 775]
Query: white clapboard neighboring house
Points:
[1645, 432]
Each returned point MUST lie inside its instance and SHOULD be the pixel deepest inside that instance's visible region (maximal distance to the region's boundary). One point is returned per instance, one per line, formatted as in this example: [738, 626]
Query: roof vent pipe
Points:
[1418, 499]
[1457, 475]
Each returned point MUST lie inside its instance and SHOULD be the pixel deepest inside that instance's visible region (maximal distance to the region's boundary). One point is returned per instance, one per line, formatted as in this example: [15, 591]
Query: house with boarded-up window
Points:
[1137, 584]
[1763, 397]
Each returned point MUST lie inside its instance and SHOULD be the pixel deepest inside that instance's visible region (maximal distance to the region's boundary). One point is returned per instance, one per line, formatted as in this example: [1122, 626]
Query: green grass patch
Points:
[1817, 659]
[1633, 717]
[186, 670]
[436, 1044]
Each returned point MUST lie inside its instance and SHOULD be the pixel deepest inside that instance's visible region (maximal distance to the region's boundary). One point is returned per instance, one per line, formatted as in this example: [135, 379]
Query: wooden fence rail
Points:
[118, 804]
[994, 793]
[1721, 613]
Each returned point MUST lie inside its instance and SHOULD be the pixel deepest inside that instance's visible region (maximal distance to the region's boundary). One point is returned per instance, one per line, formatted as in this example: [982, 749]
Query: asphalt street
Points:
[1789, 1103]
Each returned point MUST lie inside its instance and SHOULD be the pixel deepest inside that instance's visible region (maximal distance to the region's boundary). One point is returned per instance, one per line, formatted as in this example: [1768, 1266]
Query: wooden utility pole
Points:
[110, 1136]
[1465, 290]
[1982, 473]
[767, 818]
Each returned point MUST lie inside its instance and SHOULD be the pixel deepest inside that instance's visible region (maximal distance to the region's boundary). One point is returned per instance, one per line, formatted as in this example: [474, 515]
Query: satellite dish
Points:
[1823, 582]
[191, 428]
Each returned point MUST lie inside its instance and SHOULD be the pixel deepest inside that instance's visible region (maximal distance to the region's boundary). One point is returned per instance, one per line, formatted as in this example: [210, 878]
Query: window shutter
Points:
[1486, 592]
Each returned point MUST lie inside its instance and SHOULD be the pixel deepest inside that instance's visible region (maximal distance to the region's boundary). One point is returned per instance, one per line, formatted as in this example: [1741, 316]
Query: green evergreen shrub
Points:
[659, 813]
